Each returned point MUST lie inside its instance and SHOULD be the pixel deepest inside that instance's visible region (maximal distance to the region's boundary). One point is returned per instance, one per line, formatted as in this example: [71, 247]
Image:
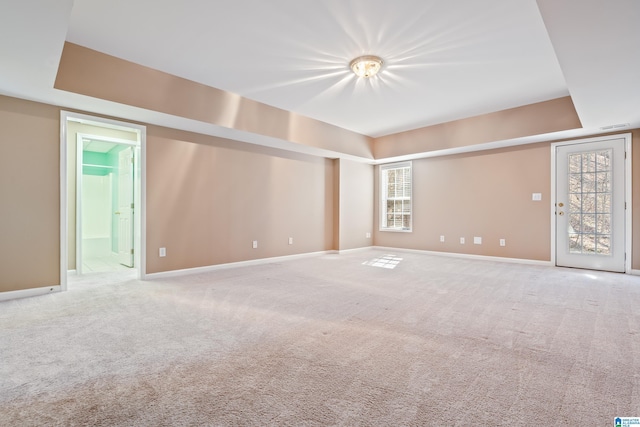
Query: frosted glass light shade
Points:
[366, 66]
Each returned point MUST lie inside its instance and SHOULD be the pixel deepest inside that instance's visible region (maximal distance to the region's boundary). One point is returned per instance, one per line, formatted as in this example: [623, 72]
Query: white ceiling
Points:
[444, 60]
[97, 146]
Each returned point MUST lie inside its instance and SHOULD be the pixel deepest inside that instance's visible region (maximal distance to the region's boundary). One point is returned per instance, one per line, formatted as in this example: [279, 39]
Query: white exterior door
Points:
[590, 205]
[125, 207]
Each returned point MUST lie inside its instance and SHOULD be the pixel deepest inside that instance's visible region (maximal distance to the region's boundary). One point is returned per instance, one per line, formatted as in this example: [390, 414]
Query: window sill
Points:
[395, 230]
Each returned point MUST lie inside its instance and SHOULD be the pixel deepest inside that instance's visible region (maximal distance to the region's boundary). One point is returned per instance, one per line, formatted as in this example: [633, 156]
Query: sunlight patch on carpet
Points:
[385, 261]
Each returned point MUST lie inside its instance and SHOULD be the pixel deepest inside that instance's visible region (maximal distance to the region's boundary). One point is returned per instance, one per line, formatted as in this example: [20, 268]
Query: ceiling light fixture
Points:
[366, 66]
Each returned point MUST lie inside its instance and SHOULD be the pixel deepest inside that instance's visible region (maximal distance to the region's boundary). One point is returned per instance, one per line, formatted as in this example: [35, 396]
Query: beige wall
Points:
[114, 79]
[485, 194]
[355, 205]
[534, 119]
[29, 194]
[208, 198]
[488, 194]
[96, 74]
[73, 129]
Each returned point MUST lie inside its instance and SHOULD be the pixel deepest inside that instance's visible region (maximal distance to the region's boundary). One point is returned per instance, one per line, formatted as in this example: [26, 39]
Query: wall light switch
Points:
[442, 239]
[291, 240]
[477, 240]
[536, 197]
[162, 252]
[255, 244]
[503, 242]
[462, 240]
[368, 235]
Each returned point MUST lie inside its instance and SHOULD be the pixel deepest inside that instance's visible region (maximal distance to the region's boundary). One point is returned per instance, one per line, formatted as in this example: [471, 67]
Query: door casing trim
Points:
[628, 218]
[140, 235]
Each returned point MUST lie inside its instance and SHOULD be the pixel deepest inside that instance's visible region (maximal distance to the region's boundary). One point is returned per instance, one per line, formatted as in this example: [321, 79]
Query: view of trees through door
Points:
[590, 205]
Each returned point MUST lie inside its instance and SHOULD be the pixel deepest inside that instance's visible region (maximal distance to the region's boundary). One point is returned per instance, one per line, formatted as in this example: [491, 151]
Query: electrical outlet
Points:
[291, 240]
[503, 242]
[477, 240]
[536, 197]
[442, 239]
[162, 252]
[462, 240]
[255, 244]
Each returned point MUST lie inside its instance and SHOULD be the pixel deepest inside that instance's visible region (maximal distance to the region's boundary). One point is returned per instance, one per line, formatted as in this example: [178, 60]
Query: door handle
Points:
[560, 204]
[116, 213]
[560, 213]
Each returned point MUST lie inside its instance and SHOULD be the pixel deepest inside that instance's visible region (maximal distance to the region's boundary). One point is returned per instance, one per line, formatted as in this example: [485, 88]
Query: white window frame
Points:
[383, 196]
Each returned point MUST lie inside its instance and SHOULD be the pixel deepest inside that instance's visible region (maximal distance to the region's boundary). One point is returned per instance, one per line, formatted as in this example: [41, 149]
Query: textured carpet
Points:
[328, 340]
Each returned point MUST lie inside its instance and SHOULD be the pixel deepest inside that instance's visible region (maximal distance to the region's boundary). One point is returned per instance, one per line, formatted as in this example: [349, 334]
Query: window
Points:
[395, 206]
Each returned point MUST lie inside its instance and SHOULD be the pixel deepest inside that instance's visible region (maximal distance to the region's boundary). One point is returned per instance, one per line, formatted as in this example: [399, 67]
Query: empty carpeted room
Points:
[319, 213]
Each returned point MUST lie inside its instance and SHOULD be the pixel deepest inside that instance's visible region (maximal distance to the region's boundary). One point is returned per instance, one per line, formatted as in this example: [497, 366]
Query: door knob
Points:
[560, 204]
[560, 213]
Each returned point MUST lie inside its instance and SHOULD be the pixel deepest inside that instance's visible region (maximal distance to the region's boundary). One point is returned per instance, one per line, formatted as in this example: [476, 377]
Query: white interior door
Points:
[125, 207]
[590, 205]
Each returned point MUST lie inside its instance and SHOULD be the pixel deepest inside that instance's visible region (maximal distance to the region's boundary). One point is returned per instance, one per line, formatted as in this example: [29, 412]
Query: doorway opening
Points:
[102, 164]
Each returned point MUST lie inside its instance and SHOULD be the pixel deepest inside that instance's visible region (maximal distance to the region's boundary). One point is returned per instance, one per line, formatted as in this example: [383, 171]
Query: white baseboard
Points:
[209, 268]
[72, 272]
[24, 293]
[350, 251]
[470, 256]
[197, 270]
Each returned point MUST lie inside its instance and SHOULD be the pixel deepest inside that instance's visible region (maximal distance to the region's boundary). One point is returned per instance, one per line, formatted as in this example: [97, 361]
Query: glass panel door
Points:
[590, 229]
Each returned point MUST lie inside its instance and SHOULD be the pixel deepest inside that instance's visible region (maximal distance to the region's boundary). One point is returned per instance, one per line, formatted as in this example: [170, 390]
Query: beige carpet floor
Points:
[328, 340]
